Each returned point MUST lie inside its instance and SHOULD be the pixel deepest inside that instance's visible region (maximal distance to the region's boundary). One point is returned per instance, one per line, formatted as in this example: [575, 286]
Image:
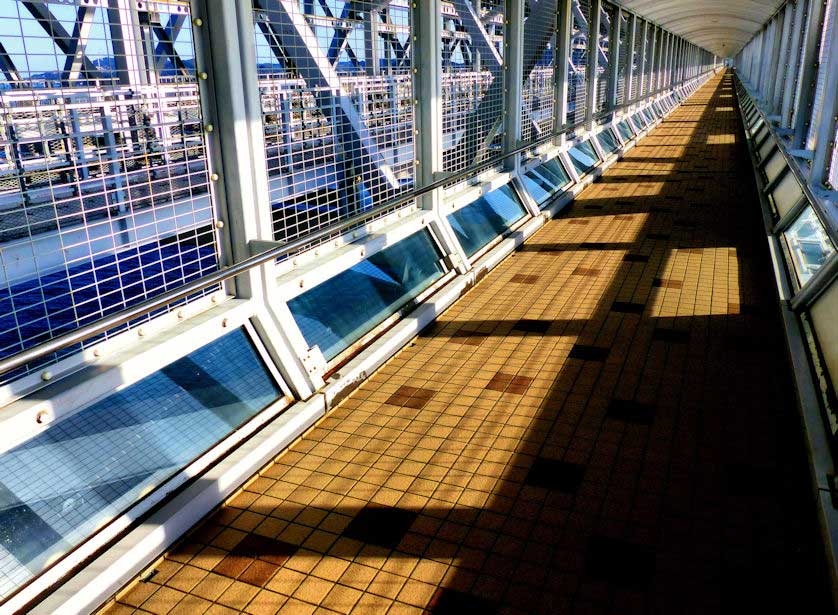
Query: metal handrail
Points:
[143, 308]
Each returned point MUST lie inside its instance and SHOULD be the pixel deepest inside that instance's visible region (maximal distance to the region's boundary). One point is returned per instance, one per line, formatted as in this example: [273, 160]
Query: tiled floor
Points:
[617, 435]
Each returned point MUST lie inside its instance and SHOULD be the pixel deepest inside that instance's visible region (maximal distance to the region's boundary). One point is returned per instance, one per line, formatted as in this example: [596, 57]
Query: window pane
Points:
[583, 157]
[809, 245]
[608, 141]
[335, 314]
[625, 130]
[491, 215]
[84, 470]
[545, 180]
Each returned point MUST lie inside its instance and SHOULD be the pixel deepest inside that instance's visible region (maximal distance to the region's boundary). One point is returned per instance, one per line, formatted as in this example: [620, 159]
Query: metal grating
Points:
[104, 176]
[637, 59]
[578, 62]
[336, 88]
[622, 59]
[472, 81]
[826, 41]
[795, 84]
[538, 95]
[606, 19]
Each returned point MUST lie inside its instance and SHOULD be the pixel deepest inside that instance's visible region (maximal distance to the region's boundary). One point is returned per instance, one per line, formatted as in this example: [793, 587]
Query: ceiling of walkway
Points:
[719, 26]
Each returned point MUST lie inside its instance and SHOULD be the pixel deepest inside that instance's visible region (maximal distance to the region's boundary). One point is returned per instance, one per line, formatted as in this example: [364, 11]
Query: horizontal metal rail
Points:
[148, 306]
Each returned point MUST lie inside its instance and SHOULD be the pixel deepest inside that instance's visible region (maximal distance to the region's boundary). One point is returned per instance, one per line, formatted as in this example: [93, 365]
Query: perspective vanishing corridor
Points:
[593, 428]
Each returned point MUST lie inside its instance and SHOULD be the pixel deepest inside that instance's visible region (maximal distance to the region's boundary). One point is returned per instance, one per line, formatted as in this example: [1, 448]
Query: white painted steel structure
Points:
[294, 142]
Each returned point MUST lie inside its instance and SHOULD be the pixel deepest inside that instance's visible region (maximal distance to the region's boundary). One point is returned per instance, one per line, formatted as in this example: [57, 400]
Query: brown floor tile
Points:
[554, 444]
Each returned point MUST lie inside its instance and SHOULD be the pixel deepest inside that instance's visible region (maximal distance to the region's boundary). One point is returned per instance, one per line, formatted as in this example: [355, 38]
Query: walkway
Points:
[605, 424]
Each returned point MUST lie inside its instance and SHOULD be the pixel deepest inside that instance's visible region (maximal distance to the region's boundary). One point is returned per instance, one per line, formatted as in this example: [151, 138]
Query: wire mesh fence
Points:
[337, 108]
[105, 196]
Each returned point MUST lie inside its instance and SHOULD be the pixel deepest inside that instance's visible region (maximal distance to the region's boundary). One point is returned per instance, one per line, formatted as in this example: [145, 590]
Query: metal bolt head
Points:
[214, 177]
[202, 75]
[197, 22]
[46, 376]
[219, 224]
[209, 128]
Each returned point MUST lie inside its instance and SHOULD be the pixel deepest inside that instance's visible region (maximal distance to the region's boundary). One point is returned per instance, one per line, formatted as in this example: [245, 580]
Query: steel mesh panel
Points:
[647, 60]
[799, 51]
[636, 60]
[826, 41]
[606, 20]
[336, 88]
[577, 91]
[104, 176]
[538, 95]
[472, 81]
[622, 61]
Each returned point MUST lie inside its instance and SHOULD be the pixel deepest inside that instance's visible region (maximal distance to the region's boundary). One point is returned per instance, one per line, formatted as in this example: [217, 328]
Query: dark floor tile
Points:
[620, 562]
[555, 474]
[578, 221]
[660, 210]
[667, 283]
[264, 548]
[258, 573]
[380, 525]
[585, 271]
[529, 325]
[625, 307]
[657, 236]
[673, 336]
[448, 601]
[232, 565]
[595, 245]
[410, 397]
[520, 278]
[636, 258]
[589, 353]
[592, 207]
[683, 223]
[631, 411]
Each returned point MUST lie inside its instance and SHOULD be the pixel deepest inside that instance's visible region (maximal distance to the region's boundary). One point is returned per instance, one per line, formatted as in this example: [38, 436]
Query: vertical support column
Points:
[643, 62]
[514, 63]
[373, 59]
[563, 28]
[652, 81]
[632, 38]
[593, 61]
[808, 73]
[427, 86]
[775, 97]
[230, 95]
[614, 59]
[790, 90]
[827, 119]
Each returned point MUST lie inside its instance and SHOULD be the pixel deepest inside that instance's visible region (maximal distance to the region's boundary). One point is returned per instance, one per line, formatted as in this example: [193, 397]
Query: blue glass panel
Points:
[478, 223]
[608, 141]
[60, 486]
[648, 115]
[625, 130]
[583, 156]
[809, 245]
[545, 180]
[639, 120]
[338, 312]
